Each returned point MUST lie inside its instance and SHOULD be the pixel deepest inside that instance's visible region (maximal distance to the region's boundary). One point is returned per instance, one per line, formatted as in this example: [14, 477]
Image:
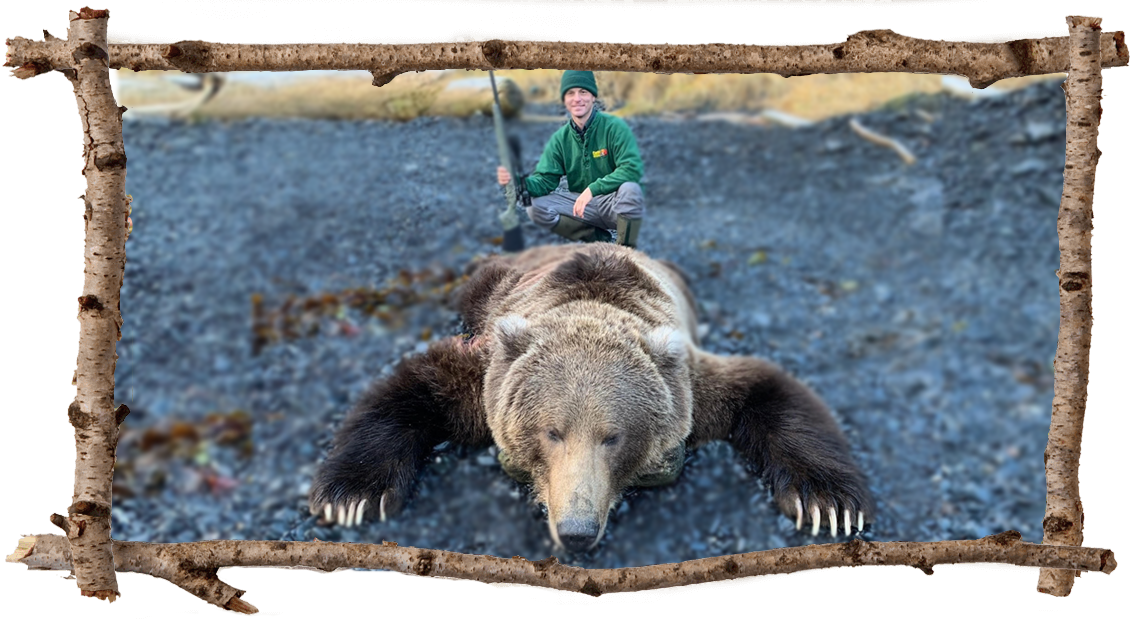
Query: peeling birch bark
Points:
[92, 413]
[193, 566]
[870, 51]
[1062, 525]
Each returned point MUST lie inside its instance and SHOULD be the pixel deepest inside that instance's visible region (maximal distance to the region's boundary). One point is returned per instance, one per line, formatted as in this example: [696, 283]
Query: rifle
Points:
[513, 234]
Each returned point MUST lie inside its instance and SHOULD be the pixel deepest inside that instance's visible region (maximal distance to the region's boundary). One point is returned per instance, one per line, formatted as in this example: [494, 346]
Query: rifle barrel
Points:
[513, 235]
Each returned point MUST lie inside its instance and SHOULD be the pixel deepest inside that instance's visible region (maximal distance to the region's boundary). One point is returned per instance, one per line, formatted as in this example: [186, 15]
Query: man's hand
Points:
[502, 175]
[581, 202]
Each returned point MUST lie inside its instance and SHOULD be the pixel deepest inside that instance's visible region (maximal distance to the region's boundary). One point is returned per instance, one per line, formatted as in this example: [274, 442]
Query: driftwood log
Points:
[85, 58]
[874, 137]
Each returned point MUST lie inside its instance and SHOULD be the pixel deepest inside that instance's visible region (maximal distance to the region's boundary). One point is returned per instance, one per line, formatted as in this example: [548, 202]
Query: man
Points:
[598, 155]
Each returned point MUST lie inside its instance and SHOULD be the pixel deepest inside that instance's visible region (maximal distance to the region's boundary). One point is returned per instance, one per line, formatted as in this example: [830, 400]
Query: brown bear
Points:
[583, 366]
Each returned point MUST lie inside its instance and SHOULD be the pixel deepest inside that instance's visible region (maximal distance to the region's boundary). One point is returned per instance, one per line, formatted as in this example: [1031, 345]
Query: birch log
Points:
[1063, 522]
[92, 413]
[193, 566]
[871, 51]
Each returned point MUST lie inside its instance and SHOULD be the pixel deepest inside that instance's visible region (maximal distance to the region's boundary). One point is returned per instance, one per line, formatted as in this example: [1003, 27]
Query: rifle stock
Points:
[509, 218]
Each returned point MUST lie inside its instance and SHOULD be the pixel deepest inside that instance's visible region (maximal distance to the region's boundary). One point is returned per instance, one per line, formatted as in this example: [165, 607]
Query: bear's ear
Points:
[514, 335]
[667, 346]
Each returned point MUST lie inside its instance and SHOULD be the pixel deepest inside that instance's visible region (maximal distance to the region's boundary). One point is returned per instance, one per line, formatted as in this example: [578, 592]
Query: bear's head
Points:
[584, 404]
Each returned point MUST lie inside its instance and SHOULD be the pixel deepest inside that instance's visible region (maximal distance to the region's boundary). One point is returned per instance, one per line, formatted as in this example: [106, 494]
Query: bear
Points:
[582, 364]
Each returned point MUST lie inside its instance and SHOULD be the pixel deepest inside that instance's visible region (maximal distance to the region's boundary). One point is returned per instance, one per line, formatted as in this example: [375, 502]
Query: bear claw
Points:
[832, 516]
[351, 514]
[361, 506]
[342, 515]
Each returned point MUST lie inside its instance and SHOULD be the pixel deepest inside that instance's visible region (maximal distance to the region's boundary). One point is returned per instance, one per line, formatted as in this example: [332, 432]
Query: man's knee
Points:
[541, 212]
[630, 189]
[630, 202]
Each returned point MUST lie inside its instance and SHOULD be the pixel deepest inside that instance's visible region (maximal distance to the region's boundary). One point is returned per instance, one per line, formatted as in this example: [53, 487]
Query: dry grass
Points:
[316, 97]
[812, 97]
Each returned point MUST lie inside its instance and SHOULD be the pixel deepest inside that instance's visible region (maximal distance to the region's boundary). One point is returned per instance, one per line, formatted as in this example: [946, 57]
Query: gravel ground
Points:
[919, 301]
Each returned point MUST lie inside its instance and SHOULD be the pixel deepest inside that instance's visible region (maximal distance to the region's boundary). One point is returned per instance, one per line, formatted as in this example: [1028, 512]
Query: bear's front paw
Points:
[349, 513]
[837, 504]
[345, 497]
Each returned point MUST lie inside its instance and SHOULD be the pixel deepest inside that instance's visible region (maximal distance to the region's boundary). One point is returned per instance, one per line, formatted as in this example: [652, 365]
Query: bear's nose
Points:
[578, 535]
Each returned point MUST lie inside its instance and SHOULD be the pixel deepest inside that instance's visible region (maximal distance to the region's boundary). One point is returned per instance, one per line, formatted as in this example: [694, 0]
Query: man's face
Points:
[578, 103]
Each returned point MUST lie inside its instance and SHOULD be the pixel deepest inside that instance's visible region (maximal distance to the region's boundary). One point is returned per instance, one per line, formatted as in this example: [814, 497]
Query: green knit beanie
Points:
[578, 79]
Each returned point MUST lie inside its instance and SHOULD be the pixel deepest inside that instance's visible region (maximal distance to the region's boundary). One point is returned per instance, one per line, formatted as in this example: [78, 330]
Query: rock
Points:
[1038, 131]
[927, 217]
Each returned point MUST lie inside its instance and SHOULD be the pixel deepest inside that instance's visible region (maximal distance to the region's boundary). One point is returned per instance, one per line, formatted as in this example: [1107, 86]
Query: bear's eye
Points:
[554, 436]
[611, 440]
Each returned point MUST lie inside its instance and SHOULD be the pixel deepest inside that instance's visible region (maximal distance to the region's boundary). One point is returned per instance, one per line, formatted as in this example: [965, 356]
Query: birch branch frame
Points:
[92, 413]
[86, 58]
[1083, 86]
[192, 566]
[870, 51]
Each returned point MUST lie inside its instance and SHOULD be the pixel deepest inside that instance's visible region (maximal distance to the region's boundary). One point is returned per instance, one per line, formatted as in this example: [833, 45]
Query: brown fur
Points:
[589, 374]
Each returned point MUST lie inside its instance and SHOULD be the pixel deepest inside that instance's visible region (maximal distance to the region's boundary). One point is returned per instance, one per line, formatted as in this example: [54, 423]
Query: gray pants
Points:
[602, 211]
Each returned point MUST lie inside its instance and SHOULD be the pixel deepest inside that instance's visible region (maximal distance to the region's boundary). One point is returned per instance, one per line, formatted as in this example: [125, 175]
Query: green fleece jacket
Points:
[602, 159]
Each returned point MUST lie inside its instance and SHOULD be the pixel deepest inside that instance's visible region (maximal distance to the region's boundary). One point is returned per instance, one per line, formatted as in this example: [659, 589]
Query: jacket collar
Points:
[589, 121]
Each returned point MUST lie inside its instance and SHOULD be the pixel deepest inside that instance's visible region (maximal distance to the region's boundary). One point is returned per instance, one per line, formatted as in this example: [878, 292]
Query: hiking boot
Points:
[627, 231]
[577, 230]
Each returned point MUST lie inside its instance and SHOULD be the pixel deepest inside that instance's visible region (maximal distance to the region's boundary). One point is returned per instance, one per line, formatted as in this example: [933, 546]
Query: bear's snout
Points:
[578, 535]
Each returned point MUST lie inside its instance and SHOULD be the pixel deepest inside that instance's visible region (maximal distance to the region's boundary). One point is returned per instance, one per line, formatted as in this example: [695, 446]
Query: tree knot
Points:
[89, 51]
[854, 550]
[189, 56]
[1005, 538]
[80, 419]
[1024, 51]
[93, 509]
[923, 565]
[1075, 281]
[1057, 524]
[495, 52]
[591, 588]
[860, 42]
[381, 78]
[120, 414]
[113, 161]
[423, 564]
[544, 564]
[90, 302]
[731, 568]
